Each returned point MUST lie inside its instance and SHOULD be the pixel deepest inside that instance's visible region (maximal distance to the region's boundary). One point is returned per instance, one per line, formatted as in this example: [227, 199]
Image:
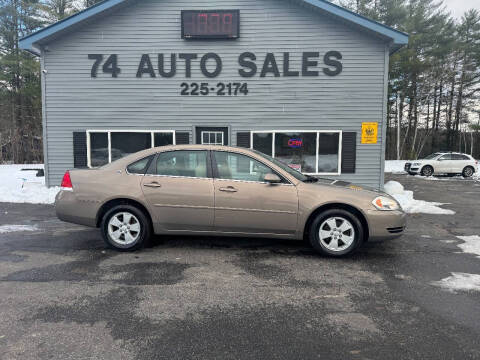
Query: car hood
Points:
[347, 186]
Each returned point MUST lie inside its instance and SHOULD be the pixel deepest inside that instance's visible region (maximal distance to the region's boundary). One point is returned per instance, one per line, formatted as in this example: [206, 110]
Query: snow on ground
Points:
[463, 281]
[410, 205]
[395, 166]
[23, 186]
[460, 281]
[14, 228]
[471, 244]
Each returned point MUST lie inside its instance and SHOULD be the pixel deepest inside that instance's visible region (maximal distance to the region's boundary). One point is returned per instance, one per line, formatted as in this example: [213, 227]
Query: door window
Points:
[239, 167]
[212, 137]
[182, 163]
[445, 157]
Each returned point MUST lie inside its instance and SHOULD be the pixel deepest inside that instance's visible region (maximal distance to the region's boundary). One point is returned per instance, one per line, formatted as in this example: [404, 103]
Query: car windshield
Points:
[296, 174]
[432, 156]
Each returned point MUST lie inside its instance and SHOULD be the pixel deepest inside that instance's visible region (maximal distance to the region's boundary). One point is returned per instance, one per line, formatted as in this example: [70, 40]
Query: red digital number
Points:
[227, 23]
[214, 24]
[202, 24]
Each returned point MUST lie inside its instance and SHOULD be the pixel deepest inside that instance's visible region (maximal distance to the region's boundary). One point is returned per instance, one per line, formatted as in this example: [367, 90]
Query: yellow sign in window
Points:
[369, 133]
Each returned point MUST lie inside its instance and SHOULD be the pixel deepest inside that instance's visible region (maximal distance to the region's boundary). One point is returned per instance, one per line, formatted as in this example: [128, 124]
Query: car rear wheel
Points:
[427, 170]
[125, 228]
[336, 232]
[467, 172]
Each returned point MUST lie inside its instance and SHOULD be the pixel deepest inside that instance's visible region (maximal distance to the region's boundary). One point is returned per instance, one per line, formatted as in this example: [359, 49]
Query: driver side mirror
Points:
[272, 178]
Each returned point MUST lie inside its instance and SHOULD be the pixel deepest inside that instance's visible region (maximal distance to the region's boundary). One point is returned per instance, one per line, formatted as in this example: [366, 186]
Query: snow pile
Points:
[471, 244]
[409, 204]
[19, 186]
[13, 228]
[460, 281]
[395, 166]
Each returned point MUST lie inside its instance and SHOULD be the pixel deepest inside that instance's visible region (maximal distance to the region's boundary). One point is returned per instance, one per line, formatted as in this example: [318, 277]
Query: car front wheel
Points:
[336, 232]
[125, 228]
[427, 170]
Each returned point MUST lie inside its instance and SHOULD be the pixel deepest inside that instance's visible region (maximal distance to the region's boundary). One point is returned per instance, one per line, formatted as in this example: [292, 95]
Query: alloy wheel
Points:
[468, 172]
[124, 228]
[427, 171]
[336, 233]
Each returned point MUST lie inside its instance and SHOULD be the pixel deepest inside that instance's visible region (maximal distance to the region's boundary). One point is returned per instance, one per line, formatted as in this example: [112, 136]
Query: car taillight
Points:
[66, 181]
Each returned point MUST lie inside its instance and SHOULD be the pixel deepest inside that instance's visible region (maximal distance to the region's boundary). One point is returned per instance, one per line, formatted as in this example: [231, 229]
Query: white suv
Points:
[443, 163]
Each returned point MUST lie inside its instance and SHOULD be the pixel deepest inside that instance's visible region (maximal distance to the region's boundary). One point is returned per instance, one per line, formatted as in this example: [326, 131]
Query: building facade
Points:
[302, 80]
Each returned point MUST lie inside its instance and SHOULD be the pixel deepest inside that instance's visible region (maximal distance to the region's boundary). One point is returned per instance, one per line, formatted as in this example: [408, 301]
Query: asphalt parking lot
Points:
[63, 295]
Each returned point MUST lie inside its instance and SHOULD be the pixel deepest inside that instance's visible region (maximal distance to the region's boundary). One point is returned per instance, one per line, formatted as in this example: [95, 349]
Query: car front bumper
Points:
[384, 225]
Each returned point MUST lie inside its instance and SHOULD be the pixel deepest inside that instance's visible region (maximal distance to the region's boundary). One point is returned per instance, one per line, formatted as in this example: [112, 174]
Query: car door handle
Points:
[152, 185]
[228, 189]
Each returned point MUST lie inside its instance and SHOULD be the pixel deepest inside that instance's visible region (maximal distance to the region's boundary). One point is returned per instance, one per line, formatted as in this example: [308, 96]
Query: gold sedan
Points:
[226, 191]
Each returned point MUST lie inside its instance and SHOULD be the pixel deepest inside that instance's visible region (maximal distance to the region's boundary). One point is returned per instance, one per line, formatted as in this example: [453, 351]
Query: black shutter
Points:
[349, 152]
[243, 139]
[182, 138]
[79, 149]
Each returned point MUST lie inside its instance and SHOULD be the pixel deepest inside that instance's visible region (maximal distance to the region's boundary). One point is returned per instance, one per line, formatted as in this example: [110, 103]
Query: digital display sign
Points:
[210, 24]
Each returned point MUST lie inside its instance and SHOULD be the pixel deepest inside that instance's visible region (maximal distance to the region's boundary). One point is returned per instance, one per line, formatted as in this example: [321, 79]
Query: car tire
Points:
[336, 240]
[427, 170]
[125, 228]
[468, 171]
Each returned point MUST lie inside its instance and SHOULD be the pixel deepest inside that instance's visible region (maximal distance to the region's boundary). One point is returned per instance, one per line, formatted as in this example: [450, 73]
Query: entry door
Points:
[180, 190]
[209, 135]
[244, 203]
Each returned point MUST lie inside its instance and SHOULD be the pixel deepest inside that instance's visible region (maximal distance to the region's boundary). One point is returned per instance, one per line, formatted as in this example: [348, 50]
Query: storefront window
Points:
[163, 139]
[263, 142]
[98, 149]
[328, 152]
[125, 143]
[111, 145]
[298, 150]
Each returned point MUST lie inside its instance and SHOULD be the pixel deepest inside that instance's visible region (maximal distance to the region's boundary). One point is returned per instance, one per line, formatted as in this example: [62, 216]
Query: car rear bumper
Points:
[69, 209]
[385, 225]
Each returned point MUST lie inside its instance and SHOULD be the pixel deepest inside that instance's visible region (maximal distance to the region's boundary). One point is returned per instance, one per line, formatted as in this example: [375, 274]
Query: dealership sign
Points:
[210, 66]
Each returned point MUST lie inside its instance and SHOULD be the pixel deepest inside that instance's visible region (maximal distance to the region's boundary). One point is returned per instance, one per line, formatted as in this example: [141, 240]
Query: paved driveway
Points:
[63, 295]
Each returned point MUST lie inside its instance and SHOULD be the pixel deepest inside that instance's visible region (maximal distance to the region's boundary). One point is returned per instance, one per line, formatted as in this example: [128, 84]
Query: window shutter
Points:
[243, 139]
[182, 138]
[349, 152]
[79, 149]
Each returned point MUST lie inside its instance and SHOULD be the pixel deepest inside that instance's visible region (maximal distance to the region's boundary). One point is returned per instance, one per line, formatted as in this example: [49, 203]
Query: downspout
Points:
[384, 115]
[43, 77]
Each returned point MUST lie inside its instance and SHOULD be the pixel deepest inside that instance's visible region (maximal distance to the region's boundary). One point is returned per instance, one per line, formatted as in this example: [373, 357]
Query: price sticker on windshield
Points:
[369, 133]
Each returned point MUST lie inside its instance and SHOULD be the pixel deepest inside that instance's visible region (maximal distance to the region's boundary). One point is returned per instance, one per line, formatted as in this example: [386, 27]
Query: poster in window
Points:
[369, 133]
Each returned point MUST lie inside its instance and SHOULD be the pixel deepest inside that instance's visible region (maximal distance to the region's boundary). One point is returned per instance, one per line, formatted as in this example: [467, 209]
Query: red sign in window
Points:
[295, 143]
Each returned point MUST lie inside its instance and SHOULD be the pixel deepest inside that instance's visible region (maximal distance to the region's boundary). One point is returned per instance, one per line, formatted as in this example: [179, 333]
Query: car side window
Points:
[139, 166]
[240, 167]
[459, 157]
[186, 163]
[445, 157]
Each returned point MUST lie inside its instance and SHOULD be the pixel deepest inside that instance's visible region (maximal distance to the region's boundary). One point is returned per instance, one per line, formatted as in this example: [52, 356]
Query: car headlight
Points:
[385, 203]
[416, 164]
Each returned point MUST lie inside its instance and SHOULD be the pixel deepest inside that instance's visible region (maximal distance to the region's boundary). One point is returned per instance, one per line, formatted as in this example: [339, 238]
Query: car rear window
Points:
[139, 166]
